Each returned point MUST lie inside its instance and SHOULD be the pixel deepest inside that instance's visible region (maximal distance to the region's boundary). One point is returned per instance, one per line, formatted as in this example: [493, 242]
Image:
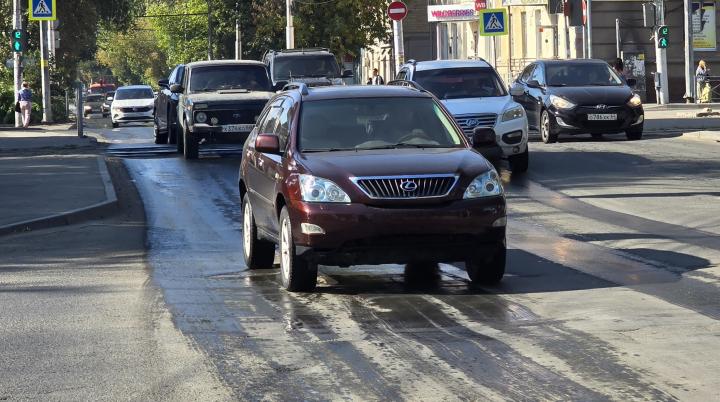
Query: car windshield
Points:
[375, 123]
[285, 68]
[94, 98]
[581, 75]
[134, 93]
[455, 83]
[228, 77]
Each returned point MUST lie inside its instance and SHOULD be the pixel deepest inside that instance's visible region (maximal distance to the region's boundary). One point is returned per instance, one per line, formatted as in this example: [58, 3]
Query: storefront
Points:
[456, 28]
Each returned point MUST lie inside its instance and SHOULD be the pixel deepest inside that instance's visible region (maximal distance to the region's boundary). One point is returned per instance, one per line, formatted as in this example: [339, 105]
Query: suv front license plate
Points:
[237, 128]
[597, 117]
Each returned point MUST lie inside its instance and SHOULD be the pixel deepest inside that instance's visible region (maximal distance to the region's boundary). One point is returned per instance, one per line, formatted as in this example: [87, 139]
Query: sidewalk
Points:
[681, 117]
[51, 177]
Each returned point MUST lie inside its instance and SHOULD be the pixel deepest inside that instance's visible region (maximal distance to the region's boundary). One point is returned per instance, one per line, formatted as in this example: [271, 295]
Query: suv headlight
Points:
[635, 101]
[513, 113]
[317, 189]
[486, 185]
[561, 103]
[200, 117]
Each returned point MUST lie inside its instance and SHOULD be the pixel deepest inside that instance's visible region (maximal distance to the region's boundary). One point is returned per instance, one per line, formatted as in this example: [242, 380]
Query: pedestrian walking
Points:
[376, 78]
[25, 99]
[703, 85]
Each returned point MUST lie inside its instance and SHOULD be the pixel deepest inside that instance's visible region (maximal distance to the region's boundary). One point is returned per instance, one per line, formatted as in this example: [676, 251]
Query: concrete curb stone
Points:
[94, 211]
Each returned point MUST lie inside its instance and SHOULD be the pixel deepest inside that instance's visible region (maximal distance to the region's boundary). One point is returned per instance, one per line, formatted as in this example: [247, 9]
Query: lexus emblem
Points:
[408, 186]
[601, 107]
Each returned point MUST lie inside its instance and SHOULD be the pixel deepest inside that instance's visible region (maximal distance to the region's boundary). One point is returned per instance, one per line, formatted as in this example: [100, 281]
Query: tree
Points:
[134, 56]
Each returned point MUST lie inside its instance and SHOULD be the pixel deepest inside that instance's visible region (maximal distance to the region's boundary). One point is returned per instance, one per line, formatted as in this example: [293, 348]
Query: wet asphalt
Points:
[611, 290]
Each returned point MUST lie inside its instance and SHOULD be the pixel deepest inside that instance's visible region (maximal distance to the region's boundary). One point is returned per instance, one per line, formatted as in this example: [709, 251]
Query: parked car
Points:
[219, 101]
[105, 107]
[132, 103]
[477, 97]
[578, 96]
[166, 105]
[92, 104]
[394, 180]
[314, 66]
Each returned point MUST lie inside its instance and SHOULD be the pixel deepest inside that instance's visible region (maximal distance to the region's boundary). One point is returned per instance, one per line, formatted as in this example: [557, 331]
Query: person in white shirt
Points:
[376, 78]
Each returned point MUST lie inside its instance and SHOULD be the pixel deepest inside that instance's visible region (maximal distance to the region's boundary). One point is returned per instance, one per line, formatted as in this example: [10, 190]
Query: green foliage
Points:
[182, 38]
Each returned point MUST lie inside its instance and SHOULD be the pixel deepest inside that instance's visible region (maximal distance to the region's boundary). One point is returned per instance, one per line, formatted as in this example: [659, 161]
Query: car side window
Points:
[180, 75]
[538, 75]
[271, 119]
[173, 76]
[525, 76]
[283, 128]
[401, 75]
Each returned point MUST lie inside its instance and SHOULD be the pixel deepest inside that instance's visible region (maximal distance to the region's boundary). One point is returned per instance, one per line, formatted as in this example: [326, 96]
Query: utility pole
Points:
[689, 62]
[238, 35]
[45, 73]
[210, 52]
[588, 11]
[663, 95]
[17, 58]
[289, 29]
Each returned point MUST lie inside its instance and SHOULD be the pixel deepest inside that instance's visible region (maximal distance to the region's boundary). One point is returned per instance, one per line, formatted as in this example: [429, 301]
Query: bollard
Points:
[79, 115]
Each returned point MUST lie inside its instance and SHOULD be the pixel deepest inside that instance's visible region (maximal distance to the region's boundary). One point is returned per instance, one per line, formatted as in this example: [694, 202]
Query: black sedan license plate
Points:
[602, 116]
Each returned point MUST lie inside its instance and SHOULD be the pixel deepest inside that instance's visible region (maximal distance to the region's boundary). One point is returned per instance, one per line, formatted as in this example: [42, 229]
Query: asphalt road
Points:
[612, 289]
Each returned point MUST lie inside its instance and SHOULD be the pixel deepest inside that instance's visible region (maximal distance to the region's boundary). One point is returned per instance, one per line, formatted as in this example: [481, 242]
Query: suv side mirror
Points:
[631, 82]
[517, 90]
[176, 88]
[347, 74]
[533, 84]
[267, 144]
[109, 98]
[163, 83]
[483, 136]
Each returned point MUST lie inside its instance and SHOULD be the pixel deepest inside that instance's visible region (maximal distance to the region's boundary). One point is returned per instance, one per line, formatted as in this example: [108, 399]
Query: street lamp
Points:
[289, 29]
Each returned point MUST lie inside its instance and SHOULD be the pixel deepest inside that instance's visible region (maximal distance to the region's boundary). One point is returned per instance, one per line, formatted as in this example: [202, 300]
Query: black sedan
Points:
[578, 96]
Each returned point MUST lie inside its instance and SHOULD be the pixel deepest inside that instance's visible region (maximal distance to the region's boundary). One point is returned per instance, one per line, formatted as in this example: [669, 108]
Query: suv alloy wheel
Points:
[258, 254]
[297, 274]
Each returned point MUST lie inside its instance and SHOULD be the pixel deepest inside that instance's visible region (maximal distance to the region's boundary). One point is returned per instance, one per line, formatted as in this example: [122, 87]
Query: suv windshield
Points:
[134, 93]
[94, 98]
[298, 66]
[455, 83]
[215, 78]
[581, 75]
[375, 123]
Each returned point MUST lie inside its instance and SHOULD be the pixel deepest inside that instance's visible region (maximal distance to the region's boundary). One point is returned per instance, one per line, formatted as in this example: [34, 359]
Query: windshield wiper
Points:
[402, 145]
[325, 149]
[557, 85]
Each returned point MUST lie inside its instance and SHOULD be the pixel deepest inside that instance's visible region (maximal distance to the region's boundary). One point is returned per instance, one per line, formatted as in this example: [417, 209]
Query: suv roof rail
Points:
[300, 86]
[407, 83]
[301, 50]
[412, 61]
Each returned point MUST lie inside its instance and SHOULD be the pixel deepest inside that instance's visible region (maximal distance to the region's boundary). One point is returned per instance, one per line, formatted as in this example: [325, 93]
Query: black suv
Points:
[348, 175]
[166, 102]
[314, 67]
[219, 101]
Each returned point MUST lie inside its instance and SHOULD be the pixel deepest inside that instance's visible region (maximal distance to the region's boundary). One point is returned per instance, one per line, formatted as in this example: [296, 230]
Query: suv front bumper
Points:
[215, 133]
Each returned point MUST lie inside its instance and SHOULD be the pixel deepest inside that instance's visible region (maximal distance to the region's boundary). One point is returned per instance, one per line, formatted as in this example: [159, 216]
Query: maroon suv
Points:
[367, 175]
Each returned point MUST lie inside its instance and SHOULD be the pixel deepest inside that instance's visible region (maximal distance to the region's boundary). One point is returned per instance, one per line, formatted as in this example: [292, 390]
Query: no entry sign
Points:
[397, 10]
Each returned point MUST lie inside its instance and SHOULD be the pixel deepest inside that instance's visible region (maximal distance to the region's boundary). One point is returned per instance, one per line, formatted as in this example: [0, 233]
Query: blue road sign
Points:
[493, 22]
[42, 10]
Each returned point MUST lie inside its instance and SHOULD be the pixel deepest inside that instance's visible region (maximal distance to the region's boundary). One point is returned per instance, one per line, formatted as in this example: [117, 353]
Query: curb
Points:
[95, 211]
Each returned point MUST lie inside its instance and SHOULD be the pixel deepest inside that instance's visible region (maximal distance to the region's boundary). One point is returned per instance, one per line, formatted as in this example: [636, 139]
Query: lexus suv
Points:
[476, 96]
[348, 175]
[219, 101]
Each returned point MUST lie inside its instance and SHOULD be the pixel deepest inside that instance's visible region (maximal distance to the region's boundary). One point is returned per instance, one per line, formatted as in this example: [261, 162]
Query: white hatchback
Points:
[132, 103]
[477, 97]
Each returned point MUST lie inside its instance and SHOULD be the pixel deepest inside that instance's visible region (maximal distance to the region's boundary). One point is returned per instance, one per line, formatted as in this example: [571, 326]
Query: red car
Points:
[367, 175]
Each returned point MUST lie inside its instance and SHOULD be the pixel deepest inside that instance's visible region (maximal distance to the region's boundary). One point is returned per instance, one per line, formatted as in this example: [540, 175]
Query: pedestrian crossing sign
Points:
[493, 22]
[42, 10]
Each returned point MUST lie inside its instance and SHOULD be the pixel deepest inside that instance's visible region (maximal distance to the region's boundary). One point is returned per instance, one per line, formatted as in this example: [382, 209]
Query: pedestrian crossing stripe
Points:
[42, 10]
[493, 22]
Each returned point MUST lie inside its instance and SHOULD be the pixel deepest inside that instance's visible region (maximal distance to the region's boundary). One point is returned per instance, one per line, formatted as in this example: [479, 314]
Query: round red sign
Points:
[397, 10]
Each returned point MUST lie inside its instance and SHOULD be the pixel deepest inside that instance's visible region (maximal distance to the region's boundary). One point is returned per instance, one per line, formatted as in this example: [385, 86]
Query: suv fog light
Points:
[500, 222]
[310, 229]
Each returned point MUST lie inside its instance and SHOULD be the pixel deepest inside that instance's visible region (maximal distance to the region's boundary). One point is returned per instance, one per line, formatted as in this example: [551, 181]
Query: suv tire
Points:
[548, 129]
[487, 270]
[296, 273]
[519, 163]
[115, 125]
[191, 145]
[160, 137]
[258, 254]
[635, 133]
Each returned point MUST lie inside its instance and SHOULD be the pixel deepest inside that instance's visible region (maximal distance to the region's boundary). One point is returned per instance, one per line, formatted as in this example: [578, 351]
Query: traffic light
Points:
[663, 36]
[19, 40]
